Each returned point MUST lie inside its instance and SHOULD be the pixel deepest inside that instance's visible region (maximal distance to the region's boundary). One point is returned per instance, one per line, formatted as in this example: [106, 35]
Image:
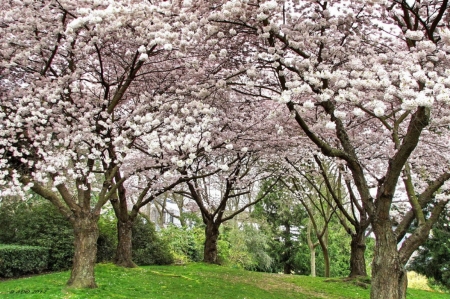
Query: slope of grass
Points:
[191, 281]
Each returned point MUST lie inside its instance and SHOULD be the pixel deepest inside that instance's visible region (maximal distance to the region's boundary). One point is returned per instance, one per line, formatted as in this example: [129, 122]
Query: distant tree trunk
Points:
[123, 256]
[388, 275]
[85, 243]
[326, 256]
[287, 269]
[312, 248]
[211, 237]
[357, 259]
[312, 251]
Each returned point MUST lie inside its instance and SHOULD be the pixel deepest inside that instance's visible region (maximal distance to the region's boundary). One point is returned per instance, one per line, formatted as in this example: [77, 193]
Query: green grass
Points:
[191, 281]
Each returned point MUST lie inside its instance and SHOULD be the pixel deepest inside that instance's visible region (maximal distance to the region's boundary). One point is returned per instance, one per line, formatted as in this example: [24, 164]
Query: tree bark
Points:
[123, 256]
[326, 260]
[388, 274]
[287, 269]
[357, 259]
[312, 248]
[85, 243]
[312, 252]
[211, 237]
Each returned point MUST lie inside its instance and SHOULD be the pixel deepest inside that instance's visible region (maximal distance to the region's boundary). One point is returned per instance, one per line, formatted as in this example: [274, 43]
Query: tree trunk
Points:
[357, 259]
[312, 248]
[388, 275]
[287, 269]
[326, 259]
[123, 256]
[85, 243]
[211, 237]
[312, 251]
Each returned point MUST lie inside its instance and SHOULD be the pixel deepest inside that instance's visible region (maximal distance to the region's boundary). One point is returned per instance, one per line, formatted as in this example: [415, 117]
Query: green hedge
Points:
[16, 260]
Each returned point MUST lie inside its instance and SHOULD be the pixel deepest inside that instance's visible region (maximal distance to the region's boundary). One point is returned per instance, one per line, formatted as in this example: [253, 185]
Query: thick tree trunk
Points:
[123, 256]
[388, 275]
[211, 237]
[85, 243]
[357, 259]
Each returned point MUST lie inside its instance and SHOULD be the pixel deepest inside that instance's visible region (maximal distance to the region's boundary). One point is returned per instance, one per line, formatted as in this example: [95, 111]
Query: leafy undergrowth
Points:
[191, 281]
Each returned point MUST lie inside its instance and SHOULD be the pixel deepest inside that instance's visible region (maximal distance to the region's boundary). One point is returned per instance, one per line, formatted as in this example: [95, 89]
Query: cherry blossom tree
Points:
[83, 86]
[150, 168]
[240, 154]
[212, 195]
[367, 82]
[351, 215]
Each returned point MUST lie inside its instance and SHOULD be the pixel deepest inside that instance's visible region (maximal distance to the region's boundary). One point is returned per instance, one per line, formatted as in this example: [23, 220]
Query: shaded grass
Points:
[191, 281]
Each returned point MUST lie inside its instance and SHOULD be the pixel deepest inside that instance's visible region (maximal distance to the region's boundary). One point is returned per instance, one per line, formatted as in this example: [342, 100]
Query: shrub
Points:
[107, 238]
[148, 248]
[185, 244]
[38, 223]
[18, 260]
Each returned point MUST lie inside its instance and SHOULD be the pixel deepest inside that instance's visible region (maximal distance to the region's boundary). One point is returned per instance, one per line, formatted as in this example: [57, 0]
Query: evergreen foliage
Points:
[36, 222]
[433, 258]
[18, 260]
[148, 247]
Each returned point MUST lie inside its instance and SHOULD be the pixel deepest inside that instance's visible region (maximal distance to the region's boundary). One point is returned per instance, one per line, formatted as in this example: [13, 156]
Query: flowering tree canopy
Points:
[102, 97]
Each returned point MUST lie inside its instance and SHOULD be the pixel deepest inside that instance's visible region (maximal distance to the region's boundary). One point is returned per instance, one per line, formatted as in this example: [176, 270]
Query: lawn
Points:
[191, 281]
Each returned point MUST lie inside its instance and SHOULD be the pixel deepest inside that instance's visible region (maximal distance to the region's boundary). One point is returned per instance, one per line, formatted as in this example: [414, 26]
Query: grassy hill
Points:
[192, 281]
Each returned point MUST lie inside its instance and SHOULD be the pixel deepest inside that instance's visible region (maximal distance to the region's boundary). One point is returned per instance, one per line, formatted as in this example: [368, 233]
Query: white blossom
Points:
[358, 112]
[340, 114]
[223, 53]
[285, 97]
[143, 57]
[378, 111]
[330, 125]
[142, 49]
[224, 167]
[308, 104]
[168, 47]
[424, 100]
[414, 35]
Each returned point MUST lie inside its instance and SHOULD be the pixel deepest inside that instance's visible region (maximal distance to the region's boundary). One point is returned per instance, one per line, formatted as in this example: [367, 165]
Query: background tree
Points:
[348, 208]
[212, 198]
[432, 258]
[285, 221]
[71, 73]
[339, 76]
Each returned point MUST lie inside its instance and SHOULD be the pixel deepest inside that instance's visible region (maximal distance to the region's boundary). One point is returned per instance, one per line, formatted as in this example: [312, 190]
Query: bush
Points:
[18, 260]
[107, 238]
[38, 223]
[185, 244]
[148, 248]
